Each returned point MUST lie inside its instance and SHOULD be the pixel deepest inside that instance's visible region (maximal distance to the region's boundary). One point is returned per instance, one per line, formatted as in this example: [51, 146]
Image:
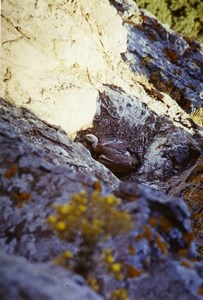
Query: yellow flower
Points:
[119, 277]
[109, 259]
[68, 254]
[119, 294]
[84, 201]
[57, 261]
[86, 228]
[97, 223]
[111, 200]
[60, 226]
[93, 283]
[82, 208]
[116, 267]
[96, 218]
[51, 219]
[80, 197]
[65, 209]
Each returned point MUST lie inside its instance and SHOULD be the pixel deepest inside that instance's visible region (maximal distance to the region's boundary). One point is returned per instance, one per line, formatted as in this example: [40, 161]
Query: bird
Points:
[112, 153]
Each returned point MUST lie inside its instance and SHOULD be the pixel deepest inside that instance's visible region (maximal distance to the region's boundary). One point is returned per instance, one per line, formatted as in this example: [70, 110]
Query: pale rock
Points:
[49, 50]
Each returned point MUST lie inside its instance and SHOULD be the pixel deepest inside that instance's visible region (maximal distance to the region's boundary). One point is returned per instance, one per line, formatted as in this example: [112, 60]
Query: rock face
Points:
[165, 57]
[164, 148]
[190, 187]
[58, 148]
[50, 49]
[76, 65]
[159, 246]
[39, 281]
[57, 56]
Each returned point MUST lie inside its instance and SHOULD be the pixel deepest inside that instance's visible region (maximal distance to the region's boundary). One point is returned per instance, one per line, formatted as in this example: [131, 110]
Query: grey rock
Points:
[30, 183]
[163, 149]
[20, 279]
[169, 280]
[29, 186]
[170, 62]
[57, 147]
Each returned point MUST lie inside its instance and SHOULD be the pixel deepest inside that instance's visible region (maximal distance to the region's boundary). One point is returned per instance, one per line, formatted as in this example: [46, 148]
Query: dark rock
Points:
[190, 187]
[173, 65]
[163, 149]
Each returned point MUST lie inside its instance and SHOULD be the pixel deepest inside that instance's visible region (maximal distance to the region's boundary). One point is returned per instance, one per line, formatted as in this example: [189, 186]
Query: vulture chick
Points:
[113, 154]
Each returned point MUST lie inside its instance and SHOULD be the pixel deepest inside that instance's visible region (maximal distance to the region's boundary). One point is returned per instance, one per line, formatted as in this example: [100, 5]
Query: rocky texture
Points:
[171, 63]
[21, 279]
[48, 51]
[164, 147]
[53, 71]
[19, 187]
[57, 56]
[169, 280]
[57, 147]
[159, 246]
[29, 185]
[190, 186]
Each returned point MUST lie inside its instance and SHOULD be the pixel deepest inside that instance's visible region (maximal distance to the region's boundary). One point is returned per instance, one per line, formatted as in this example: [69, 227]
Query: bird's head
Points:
[92, 139]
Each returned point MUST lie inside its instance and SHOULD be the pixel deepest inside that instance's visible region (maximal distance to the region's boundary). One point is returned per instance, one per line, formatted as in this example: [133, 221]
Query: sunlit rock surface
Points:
[50, 52]
[56, 57]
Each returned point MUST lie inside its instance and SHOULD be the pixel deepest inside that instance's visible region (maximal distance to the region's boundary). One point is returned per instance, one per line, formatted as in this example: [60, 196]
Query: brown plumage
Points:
[113, 154]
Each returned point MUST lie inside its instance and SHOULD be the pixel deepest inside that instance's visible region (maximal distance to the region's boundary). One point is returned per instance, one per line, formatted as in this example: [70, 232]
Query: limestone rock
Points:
[56, 58]
[48, 51]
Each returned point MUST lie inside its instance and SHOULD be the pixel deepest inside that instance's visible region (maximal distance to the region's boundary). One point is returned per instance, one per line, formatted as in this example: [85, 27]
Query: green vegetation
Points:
[186, 17]
[88, 221]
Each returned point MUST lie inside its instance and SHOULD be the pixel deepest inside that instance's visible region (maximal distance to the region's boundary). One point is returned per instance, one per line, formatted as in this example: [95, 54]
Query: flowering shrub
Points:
[89, 221]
